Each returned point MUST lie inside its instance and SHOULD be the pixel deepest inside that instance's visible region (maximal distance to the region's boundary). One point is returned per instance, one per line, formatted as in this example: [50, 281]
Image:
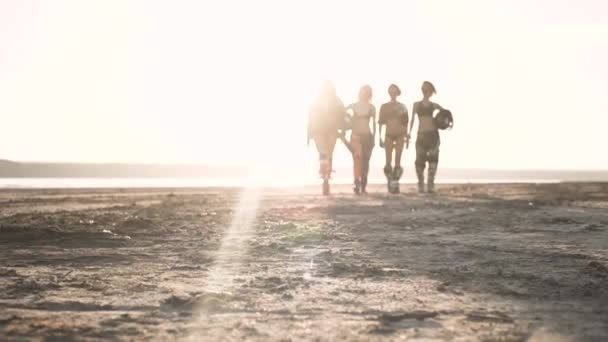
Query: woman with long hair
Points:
[427, 140]
[394, 116]
[326, 118]
[362, 137]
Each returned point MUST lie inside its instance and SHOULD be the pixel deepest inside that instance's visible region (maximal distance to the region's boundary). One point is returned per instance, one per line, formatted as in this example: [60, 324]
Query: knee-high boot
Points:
[420, 175]
[431, 177]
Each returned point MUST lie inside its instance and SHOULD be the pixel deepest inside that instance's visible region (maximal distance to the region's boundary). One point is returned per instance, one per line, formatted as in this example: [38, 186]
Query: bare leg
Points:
[325, 147]
[388, 150]
[357, 142]
[368, 147]
[399, 144]
[433, 161]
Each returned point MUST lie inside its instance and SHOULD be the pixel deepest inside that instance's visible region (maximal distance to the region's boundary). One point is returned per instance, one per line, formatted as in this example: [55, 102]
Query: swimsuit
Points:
[393, 111]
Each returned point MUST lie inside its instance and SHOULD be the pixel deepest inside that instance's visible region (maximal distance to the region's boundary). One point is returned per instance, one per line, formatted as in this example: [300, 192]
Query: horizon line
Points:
[293, 165]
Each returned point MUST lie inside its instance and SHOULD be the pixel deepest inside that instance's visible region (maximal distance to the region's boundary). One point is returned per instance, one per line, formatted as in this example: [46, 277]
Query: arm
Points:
[380, 124]
[414, 112]
[338, 114]
[308, 131]
[374, 123]
[405, 117]
[437, 106]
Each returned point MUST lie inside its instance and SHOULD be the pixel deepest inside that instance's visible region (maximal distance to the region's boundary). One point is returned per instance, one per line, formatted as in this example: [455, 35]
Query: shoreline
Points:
[122, 183]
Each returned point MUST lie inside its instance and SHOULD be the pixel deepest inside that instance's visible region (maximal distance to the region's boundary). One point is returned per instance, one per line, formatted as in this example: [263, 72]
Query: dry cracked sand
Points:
[472, 263]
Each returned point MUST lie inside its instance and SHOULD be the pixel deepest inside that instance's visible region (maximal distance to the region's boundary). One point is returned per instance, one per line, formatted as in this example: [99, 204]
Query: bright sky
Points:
[230, 81]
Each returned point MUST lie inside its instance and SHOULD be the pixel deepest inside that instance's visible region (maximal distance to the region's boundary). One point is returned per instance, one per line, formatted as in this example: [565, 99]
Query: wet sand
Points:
[474, 262]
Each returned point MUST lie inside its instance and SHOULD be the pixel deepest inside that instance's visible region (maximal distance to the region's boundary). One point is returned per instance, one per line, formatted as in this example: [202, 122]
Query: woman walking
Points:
[394, 116]
[362, 137]
[326, 118]
[427, 140]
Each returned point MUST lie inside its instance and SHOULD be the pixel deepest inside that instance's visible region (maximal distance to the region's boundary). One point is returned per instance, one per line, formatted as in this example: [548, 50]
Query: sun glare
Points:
[198, 82]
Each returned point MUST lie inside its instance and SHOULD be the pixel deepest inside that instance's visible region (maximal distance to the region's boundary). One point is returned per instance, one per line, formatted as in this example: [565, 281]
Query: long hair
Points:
[327, 89]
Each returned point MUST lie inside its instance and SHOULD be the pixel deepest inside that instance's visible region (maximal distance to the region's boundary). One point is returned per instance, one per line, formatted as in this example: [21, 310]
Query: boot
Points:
[420, 175]
[431, 177]
[430, 187]
[388, 172]
[397, 173]
[357, 188]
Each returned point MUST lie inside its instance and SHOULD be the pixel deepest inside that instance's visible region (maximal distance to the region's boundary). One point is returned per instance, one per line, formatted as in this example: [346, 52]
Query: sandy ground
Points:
[474, 262]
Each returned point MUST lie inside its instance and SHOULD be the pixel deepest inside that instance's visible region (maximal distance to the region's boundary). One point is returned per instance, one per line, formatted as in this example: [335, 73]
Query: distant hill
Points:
[11, 169]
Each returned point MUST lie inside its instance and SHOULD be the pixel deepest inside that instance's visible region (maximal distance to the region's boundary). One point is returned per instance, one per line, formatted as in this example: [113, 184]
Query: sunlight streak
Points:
[229, 256]
[234, 243]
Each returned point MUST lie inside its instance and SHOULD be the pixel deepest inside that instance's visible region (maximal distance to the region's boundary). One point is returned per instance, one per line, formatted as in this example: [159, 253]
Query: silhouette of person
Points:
[394, 116]
[427, 140]
[362, 137]
[326, 118]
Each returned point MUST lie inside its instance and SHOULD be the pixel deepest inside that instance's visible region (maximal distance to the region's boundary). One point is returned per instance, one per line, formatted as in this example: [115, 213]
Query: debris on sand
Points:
[177, 303]
[389, 320]
[63, 276]
[419, 315]
[204, 302]
[89, 222]
[116, 236]
[494, 317]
